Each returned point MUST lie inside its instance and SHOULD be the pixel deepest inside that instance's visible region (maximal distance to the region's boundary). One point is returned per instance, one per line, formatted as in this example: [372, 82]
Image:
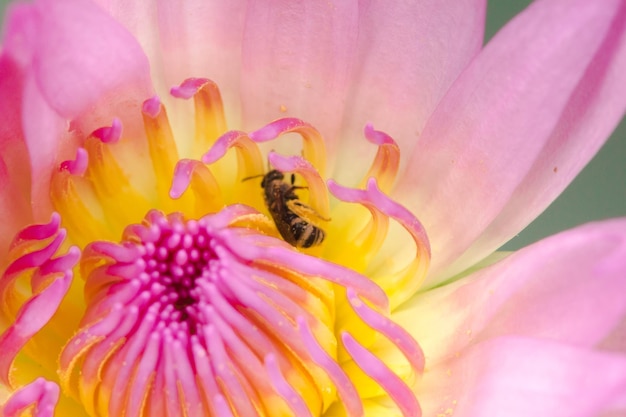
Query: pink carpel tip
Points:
[188, 88]
[373, 196]
[36, 258]
[41, 393]
[79, 165]
[377, 137]
[61, 263]
[152, 107]
[288, 163]
[109, 134]
[222, 145]
[276, 128]
[182, 177]
[39, 231]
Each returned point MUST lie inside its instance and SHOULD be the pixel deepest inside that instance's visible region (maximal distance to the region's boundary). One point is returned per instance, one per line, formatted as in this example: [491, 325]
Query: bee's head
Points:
[273, 175]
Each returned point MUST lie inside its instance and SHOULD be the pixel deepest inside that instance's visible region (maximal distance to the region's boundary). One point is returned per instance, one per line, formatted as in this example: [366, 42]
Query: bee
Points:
[291, 216]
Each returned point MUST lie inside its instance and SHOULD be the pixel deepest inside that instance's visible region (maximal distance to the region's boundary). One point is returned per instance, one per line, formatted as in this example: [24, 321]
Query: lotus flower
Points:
[292, 208]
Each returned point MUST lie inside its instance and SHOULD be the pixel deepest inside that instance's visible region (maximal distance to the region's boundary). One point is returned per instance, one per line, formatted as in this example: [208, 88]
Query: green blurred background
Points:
[599, 192]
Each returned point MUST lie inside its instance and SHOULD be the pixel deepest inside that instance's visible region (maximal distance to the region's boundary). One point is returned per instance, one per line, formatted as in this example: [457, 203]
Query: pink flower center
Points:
[193, 315]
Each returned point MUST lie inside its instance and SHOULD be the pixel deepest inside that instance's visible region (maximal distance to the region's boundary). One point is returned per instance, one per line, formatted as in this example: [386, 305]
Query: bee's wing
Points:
[305, 212]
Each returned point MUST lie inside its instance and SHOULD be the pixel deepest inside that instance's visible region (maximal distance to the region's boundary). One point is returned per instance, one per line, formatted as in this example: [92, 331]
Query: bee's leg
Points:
[295, 187]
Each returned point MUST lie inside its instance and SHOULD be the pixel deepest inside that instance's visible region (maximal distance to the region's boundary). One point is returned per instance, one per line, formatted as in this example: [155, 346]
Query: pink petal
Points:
[520, 377]
[14, 163]
[203, 39]
[72, 56]
[518, 337]
[12, 147]
[568, 288]
[80, 53]
[42, 135]
[593, 113]
[409, 53]
[545, 92]
[297, 62]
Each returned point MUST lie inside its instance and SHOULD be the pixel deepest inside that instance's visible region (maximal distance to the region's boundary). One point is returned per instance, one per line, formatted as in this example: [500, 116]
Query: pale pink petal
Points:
[192, 38]
[297, 62]
[140, 19]
[568, 288]
[203, 39]
[409, 53]
[546, 84]
[522, 377]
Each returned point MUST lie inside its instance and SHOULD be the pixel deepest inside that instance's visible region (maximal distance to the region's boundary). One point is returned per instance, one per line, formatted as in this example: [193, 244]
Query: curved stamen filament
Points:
[87, 191]
[179, 377]
[73, 194]
[249, 164]
[292, 398]
[221, 406]
[243, 355]
[376, 369]
[277, 321]
[205, 188]
[72, 356]
[249, 160]
[393, 332]
[313, 147]
[223, 371]
[41, 394]
[372, 236]
[110, 183]
[161, 144]
[210, 121]
[32, 317]
[246, 343]
[49, 280]
[345, 388]
[318, 194]
[137, 401]
[387, 161]
[401, 284]
[283, 256]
